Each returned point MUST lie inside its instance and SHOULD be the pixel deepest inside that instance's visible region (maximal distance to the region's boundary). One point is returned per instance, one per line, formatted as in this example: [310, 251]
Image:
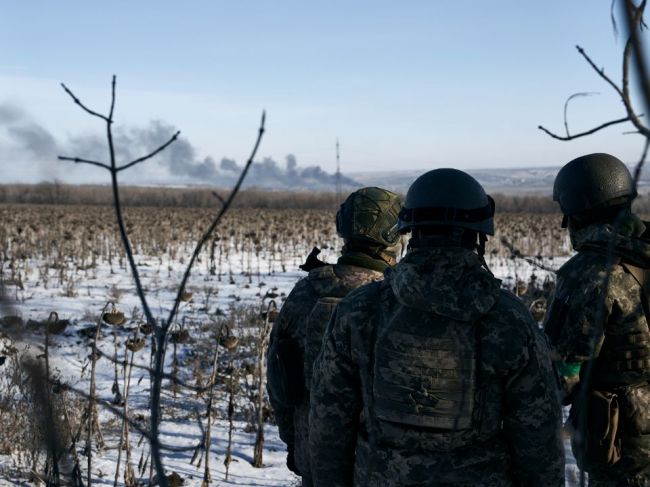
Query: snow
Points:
[81, 297]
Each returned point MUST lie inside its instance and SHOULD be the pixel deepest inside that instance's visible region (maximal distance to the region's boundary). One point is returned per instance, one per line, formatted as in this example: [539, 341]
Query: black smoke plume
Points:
[35, 143]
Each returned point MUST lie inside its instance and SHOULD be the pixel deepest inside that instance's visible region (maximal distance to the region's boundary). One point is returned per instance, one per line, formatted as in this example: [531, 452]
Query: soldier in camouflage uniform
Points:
[435, 376]
[367, 221]
[597, 322]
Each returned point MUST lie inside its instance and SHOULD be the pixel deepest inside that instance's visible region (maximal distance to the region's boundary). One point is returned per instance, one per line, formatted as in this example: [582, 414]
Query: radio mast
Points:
[338, 174]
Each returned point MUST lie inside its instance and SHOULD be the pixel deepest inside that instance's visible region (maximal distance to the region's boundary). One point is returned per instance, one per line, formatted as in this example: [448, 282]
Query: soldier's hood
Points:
[447, 281]
[635, 248]
[339, 279]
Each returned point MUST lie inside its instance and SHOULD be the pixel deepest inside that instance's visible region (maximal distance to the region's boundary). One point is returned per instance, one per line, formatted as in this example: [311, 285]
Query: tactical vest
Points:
[425, 377]
[332, 283]
[631, 351]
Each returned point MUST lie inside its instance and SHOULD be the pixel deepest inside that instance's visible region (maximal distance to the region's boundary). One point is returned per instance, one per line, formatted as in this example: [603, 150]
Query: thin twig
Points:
[118, 412]
[566, 107]
[622, 92]
[112, 109]
[150, 155]
[92, 409]
[161, 334]
[78, 160]
[219, 197]
[634, 18]
[600, 71]
[582, 134]
[215, 222]
[84, 107]
[516, 254]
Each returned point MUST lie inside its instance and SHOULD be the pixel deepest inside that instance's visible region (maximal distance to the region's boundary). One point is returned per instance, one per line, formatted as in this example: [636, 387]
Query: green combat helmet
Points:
[369, 215]
[591, 184]
[447, 197]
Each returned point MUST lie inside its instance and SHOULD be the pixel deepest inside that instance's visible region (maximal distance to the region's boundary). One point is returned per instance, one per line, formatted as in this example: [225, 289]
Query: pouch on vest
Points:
[425, 374]
[635, 410]
[314, 330]
[600, 443]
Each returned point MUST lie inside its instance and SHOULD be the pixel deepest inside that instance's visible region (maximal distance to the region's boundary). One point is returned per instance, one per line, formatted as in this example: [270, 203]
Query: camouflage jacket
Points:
[598, 320]
[287, 386]
[364, 432]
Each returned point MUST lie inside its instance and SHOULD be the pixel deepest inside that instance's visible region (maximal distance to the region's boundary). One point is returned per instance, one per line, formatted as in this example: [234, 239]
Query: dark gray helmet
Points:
[447, 197]
[593, 182]
[370, 215]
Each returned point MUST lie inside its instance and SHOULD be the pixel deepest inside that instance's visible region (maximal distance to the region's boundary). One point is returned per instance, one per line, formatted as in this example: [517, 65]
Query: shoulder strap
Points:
[642, 276]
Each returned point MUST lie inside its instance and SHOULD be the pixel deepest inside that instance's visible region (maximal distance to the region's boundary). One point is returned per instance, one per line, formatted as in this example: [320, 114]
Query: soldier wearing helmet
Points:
[598, 321]
[435, 376]
[367, 222]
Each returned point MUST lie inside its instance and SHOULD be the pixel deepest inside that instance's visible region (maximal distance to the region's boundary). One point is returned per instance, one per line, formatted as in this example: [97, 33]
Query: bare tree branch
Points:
[582, 134]
[117, 411]
[150, 155]
[218, 196]
[216, 221]
[161, 333]
[84, 107]
[600, 71]
[112, 109]
[515, 253]
[623, 92]
[634, 18]
[78, 160]
[566, 106]
[613, 18]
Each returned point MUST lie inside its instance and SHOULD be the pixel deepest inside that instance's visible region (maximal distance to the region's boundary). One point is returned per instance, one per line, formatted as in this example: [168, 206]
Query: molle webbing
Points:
[626, 352]
[425, 373]
[629, 351]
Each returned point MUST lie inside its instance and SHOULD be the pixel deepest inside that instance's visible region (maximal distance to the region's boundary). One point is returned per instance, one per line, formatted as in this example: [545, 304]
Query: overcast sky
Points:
[404, 85]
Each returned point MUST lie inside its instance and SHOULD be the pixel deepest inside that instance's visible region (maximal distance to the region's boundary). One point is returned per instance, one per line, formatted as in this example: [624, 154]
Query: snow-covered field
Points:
[215, 299]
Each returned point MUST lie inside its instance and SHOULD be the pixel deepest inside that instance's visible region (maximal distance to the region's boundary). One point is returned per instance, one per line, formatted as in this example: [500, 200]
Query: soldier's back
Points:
[441, 352]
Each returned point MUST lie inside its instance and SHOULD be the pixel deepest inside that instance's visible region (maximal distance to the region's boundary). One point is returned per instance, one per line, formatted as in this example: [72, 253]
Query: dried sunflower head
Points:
[229, 342]
[179, 336]
[114, 317]
[135, 344]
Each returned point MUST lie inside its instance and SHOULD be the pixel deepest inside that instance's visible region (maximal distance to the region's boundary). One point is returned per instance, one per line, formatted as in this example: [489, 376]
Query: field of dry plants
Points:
[71, 311]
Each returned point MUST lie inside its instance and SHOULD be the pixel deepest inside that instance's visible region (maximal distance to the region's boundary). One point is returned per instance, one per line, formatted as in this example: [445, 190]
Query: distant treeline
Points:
[64, 194]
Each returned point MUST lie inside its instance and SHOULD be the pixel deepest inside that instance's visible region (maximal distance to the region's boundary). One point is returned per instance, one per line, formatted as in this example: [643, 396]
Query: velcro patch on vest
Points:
[425, 371]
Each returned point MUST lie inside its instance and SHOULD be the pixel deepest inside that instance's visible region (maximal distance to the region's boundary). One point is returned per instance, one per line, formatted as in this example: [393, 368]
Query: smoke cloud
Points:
[180, 160]
[26, 133]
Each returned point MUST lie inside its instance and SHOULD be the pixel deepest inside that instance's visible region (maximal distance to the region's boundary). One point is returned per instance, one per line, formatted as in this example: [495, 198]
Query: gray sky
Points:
[404, 85]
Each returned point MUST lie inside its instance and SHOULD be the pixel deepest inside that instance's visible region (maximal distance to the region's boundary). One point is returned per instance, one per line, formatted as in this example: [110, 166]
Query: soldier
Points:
[367, 221]
[598, 322]
[435, 376]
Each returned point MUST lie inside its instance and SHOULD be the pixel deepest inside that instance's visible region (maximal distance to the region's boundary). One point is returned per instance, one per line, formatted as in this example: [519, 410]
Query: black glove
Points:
[291, 463]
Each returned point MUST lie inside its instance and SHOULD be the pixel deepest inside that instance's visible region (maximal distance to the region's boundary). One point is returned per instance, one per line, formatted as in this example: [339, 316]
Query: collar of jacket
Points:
[629, 242]
[361, 259]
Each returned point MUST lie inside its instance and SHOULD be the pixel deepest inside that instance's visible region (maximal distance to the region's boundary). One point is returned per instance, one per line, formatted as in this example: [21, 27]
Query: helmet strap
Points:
[482, 240]
[480, 249]
[442, 236]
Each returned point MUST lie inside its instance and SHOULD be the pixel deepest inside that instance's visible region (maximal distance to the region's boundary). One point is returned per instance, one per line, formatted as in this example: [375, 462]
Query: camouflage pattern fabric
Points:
[586, 320]
[514, 434]
[322, 282]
